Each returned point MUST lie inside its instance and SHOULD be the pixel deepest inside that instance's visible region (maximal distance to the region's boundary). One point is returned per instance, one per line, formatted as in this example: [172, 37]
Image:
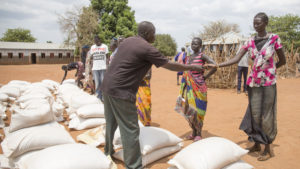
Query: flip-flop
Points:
[197, 138]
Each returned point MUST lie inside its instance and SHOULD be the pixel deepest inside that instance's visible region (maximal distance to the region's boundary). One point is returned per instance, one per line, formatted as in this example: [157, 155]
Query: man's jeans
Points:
[242, 71]
[98, 76]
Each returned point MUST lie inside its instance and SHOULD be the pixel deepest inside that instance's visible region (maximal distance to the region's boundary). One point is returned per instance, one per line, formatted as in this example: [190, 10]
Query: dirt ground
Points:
[224, 114]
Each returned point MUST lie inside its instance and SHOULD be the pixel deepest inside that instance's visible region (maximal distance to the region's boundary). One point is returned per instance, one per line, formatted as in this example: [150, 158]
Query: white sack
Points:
[35, 138]
[153, 156]
[209, 153]
[91, 110]
[78, 123]
[68, 156]
[22, 118]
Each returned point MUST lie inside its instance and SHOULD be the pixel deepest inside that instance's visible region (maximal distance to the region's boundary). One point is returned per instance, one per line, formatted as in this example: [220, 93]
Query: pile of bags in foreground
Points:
[34, 139]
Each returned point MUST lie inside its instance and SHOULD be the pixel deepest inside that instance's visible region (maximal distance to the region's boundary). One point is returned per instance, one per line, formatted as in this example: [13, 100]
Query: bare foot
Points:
[255, 148]
[265, 156]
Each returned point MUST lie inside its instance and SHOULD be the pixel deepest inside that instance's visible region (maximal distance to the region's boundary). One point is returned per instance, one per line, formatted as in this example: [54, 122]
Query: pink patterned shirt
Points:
[263, 70]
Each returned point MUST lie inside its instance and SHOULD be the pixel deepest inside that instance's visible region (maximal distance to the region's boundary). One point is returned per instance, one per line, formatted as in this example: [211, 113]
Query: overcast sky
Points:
[178, 18]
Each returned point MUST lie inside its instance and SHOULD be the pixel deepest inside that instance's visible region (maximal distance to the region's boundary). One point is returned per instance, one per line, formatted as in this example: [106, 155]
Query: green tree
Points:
[116, 18]
[87, 27]
[288, 29]
[165, 44]
[18, 35]
[216, 29]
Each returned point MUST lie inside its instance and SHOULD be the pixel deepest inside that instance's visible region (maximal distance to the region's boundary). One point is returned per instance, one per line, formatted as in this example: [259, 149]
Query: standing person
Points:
[242, 71]
[84, 51]
[133, 60]
[98, 55]
[143, 100]
[113, 47]
[194, 91]
[260, 122]
[180, 58]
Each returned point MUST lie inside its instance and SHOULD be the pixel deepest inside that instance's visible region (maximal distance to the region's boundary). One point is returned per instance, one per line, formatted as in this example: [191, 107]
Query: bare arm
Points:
[281, 57]
[177, 67]
[209, 60]
[234, 60]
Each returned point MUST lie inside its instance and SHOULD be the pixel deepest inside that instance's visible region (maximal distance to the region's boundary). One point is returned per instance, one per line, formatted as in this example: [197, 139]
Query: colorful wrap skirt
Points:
[143, 103]
[192, 102]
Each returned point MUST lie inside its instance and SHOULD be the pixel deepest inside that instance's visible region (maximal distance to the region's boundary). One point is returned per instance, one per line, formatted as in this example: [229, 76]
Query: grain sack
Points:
[11, 91]
[209, 153]
[35, 138]
[22, 118]
[3, 97]
[67, 156]
[91, 110]
[239, 165]
[153, 156]
[79, 123]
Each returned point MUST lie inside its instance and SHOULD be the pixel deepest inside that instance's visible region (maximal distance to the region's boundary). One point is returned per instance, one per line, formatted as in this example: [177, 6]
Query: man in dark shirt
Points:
[134, 58]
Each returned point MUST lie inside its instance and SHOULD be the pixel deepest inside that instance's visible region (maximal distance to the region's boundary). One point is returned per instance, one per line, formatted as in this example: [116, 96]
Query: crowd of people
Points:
[122, 83]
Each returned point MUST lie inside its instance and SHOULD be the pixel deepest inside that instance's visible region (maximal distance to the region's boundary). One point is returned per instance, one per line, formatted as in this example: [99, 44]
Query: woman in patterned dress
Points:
[260, 122]
[194, 91]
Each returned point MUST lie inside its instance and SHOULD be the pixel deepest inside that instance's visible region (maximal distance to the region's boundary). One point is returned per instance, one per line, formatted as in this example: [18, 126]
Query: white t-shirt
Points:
[244, 61]
[99, 56]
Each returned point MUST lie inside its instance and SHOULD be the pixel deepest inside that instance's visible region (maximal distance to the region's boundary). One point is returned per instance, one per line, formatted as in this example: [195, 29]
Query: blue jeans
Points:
[98, 76]
[242, 71]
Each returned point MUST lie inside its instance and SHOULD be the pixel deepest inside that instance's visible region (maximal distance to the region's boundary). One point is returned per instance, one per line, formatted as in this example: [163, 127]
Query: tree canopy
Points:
[18, 35]
[116, 18]
[165, 44]
[287, 27]
[87, 27]
[217, 28]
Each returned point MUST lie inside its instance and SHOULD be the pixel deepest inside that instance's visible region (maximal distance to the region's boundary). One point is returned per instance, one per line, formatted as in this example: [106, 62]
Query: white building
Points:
[32, 53]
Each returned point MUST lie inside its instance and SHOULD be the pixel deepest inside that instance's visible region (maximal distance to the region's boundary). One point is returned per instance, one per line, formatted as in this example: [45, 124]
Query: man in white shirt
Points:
[98, 54]
[242, 70]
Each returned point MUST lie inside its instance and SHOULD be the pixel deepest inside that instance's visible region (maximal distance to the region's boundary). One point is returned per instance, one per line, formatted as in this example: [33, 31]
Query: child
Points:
[194, 91]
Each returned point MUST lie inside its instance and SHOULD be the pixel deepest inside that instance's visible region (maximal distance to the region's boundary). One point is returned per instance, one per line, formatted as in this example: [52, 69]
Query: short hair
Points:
[199, 39]
[96, 37]
[182, 49]
[264, 17]
[145, 27]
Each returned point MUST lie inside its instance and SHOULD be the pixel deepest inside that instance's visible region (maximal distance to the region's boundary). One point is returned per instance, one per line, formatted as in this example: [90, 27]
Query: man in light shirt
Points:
[98, 56]
[242, 71]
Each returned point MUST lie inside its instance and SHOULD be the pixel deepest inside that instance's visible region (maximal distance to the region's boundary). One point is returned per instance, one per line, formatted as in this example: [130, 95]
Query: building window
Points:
[43, 56]
[51, 55]
[68, 55]
[60, 55]
[21, 55]
[10, 55]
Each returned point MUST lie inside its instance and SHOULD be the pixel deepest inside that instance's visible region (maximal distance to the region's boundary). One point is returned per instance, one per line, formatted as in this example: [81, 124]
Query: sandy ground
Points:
[224, 113]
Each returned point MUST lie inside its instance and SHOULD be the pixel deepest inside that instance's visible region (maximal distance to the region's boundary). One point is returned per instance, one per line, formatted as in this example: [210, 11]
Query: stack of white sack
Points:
[2, 115]
[65, 92]
[85, 111]
[13, 89]
[8, 94]
[26, 140]
[66, 156]
[210, 153]
[155, 143]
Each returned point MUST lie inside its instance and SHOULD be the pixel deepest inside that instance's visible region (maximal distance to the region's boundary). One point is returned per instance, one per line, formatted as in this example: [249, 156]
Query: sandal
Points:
[265, 157]
[189, 137]
[197, 138]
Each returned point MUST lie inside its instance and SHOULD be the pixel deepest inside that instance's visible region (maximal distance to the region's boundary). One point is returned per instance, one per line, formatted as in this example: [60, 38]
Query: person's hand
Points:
[210, 66]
